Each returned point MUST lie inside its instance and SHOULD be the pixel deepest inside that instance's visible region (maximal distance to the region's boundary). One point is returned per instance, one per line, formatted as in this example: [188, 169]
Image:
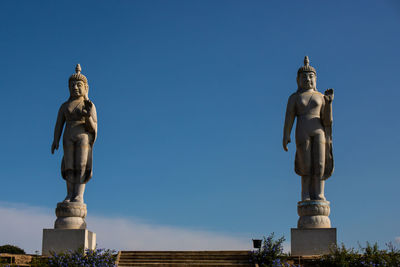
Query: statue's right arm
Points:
[289, 120]
[58, 129]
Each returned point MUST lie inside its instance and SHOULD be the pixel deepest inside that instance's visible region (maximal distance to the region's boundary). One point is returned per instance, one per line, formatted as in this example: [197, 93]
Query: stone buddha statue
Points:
[313, 110]
[314, 158]
[78, 114]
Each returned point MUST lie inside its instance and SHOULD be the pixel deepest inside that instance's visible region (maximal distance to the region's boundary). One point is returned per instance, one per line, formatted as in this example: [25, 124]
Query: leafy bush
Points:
[271, 253]
[370, 256]
[88, 258]
[341, 256]
[39, 261]
[10, 249]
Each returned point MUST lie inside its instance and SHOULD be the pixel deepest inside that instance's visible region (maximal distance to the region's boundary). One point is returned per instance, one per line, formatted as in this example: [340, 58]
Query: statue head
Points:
[78, 84]
[306, 76]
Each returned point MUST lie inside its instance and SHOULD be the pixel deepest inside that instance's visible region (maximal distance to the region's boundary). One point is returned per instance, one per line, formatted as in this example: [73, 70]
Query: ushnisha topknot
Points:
[77, 76]
[306, 67]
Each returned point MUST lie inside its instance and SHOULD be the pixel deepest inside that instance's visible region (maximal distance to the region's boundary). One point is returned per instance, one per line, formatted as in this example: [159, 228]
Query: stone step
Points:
[188, 252]
[185, 265]
[184, 258]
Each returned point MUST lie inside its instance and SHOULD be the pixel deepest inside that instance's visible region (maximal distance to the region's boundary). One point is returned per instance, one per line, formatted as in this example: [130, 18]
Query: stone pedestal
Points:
[313, 235]
[306, 242]
[70, 215]
[313, 214]
[63, 240]
[69, 233]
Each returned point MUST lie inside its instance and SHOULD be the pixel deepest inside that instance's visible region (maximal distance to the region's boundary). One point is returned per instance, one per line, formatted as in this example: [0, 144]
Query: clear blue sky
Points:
[191, 97]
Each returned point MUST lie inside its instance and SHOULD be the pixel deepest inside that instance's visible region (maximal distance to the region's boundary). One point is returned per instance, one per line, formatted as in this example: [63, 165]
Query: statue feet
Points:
[78, 199]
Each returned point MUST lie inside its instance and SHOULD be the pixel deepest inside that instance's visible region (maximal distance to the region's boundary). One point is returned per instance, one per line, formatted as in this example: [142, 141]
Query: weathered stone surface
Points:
[313, 207]
[313, 111]
[70, 215]
[239, 258]
[79, 115]
[313, 214]
[63, 240]
[17, 259]
[313, 161]
[307, 242]
[71, 209]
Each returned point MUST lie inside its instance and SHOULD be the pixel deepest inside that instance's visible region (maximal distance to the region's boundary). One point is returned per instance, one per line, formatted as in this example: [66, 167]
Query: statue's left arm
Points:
[327, 116]
[90, 117]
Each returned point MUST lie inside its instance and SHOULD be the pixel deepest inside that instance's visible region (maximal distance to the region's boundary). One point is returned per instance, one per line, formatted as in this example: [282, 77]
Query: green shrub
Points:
[87, 258]
[10, 249]
[369, 256]
[341, 256]
[39, 261]
[271, 253]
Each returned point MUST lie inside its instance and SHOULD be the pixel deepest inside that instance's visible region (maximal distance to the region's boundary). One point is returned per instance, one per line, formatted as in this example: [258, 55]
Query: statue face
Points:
[77, 88]
[307, 80]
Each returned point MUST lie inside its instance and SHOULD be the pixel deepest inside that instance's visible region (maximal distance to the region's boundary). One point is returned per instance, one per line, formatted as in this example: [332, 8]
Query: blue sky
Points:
[191, 97]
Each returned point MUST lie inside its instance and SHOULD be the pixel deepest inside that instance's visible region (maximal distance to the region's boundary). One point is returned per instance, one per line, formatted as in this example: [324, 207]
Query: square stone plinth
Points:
[318, 241]
[62, 240]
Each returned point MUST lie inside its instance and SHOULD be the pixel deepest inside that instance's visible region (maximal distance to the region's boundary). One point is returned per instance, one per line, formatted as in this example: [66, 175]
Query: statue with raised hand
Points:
[78, 114]
[314, 158]
[313, 110]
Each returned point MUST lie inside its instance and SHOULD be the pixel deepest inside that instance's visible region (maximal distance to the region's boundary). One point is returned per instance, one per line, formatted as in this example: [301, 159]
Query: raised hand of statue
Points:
[329, 95]
[88, 108]
[54, 146]
[286, 141]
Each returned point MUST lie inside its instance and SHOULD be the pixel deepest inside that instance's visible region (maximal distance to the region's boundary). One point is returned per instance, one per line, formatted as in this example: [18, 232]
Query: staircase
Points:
[184, 258]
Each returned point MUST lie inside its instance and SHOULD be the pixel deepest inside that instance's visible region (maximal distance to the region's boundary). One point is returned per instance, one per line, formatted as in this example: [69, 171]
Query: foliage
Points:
[370, 256]
[271, 253]
[10, 249]
[341, 256]
[87, 258]
[39, 261]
